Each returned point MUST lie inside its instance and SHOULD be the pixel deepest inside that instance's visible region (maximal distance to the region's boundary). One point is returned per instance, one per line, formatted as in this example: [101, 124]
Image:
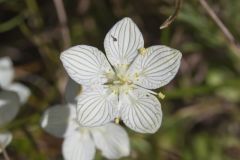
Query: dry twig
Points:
[62, 17]
[5, 155]
[4, 152]
[228, 35]
[171, 18]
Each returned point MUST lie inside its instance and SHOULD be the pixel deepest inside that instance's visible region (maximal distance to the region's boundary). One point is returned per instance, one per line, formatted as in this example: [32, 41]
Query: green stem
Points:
[12, 23]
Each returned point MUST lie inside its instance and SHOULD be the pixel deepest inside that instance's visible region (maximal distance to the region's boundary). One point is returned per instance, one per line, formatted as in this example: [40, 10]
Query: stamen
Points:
[161, 95]
[113, 88]
[115, 91]
[146, 90]
[117, 82]
[110, 75]
[142, 50]
[117, 120]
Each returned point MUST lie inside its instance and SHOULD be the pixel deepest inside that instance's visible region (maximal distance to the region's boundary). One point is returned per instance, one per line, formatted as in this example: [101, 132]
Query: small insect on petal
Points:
[122, 41]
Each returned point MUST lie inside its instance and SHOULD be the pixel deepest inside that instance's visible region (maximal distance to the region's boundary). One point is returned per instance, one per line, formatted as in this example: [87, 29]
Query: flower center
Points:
[119, 82]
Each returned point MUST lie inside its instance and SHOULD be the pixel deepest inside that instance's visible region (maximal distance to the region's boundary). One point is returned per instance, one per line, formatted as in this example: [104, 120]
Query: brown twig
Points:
[5, 154]
[62, 17]
[228, 35]
[171, 18]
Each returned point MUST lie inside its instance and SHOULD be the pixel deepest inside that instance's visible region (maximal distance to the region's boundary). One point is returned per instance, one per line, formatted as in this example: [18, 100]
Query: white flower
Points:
[6, 80]
[9, 107]
[81, 143]
[11, 95]
[122, 90]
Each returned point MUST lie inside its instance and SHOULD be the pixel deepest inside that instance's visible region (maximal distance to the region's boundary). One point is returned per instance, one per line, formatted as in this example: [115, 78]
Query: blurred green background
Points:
[202, 105]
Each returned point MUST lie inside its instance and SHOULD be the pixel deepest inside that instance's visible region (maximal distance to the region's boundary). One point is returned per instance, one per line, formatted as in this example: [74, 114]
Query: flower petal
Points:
[141, 111]
[122, 42]
[78, 147]
[86, 65]
[5, 139]
[22, 91]
[156, 68]
[72, 89]
[6, 72]
[9, 106]
[96, 106]
[112, 140]
[58, 120]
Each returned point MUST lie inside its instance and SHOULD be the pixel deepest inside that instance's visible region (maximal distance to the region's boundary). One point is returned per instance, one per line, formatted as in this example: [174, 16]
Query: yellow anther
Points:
[161, 95]
[117, 120]
[142, 51]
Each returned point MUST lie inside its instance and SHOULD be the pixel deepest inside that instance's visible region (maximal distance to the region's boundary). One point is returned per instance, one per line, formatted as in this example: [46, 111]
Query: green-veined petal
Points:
[78, 146]
[96, 106]
[86, 65]
[141, 111]
[122, 42]
[112, 140]
[156, 68]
